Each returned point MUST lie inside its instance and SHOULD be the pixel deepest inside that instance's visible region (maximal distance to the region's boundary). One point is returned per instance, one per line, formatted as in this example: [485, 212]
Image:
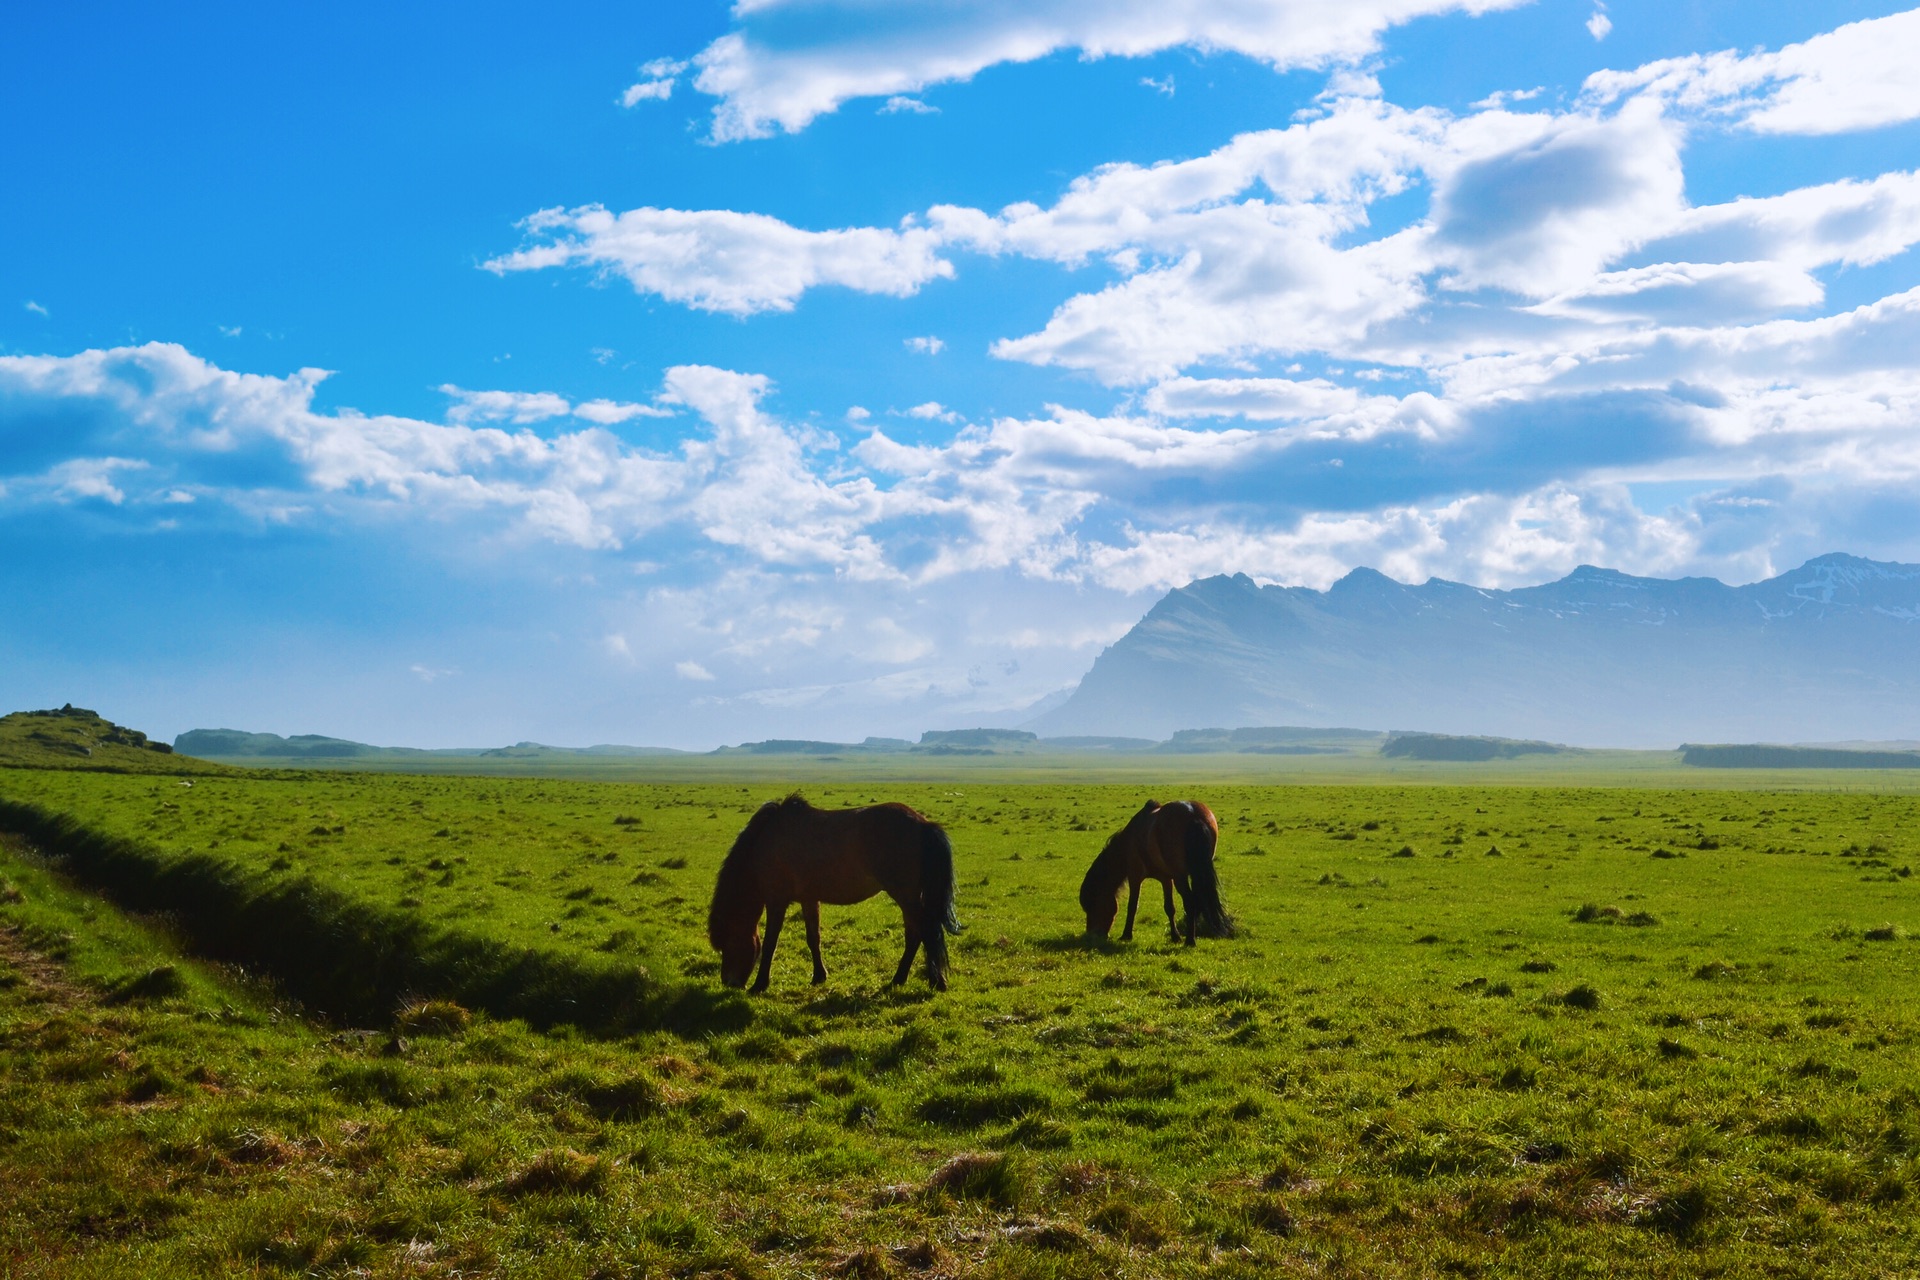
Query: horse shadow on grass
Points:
[862, 1001]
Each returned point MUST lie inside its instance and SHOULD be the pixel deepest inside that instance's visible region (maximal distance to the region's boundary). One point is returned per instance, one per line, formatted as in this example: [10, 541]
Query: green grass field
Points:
[1467, 1029]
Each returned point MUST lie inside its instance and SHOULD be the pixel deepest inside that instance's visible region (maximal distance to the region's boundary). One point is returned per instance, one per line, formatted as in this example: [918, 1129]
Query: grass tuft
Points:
[994, 1177]
[432, 1018]
[558, 1169]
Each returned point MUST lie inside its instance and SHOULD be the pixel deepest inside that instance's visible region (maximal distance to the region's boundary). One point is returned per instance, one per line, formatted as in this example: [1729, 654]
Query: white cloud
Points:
[503, 406]
[1163, 86]
[36, 308]
[607, 413]
[1859, 76]
[1540, 226]
[689, 670]
[768, 76]
[1850, 222]
[427, 675]
[926, 346]
[933, 411]
[647, 91]
[523, 407]
[1256, 399]
[913, 106]
[92, 478]
[1689, 293]
[658, 85]
[718, 260]
[1599, 24]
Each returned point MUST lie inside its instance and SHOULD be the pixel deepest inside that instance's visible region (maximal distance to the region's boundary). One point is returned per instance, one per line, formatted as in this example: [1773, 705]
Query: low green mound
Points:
[1446, 746]
[1762, 756]
[72, 737]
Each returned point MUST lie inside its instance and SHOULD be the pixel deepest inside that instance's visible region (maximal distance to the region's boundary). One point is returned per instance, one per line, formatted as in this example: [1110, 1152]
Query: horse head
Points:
[1100, 902]
[739, 950]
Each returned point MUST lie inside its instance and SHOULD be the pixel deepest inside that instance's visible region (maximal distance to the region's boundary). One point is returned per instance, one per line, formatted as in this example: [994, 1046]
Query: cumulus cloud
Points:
[173, 417]
[1542, 227]
[503, 406]
[719, 260]
[609, 413]
[769, 74]
[1859, 76]
[1290, 479]
[523, 407]
[647, 91]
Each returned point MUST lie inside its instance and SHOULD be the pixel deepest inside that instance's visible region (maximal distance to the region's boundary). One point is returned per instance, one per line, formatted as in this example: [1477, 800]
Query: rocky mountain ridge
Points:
[1598, 658]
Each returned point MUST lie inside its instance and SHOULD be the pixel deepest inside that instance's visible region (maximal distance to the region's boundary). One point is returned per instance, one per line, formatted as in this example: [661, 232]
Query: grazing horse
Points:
[792, 852]
[1171, 843]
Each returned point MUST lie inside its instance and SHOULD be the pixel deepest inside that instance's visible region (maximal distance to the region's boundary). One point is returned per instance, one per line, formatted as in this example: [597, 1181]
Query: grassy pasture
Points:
[1501, 1030]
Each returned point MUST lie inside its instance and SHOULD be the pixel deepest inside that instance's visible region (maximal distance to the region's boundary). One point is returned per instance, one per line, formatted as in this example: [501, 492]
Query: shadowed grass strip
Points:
[357, 962]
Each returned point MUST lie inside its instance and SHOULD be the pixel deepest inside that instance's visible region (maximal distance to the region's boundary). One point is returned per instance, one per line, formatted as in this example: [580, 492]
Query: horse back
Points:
[843, 856]
[1177, 828]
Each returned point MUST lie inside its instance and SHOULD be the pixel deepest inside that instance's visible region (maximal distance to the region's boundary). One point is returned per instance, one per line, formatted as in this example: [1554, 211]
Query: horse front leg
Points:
[810, 911]
[1166, 898]
[776, 916]
[1133, 905]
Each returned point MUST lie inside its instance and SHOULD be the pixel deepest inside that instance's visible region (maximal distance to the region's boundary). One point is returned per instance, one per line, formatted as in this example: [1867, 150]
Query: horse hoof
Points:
[819, 978]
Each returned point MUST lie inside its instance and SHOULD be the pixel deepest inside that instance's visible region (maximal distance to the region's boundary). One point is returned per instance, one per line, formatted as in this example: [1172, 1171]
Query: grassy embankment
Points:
[1656, 1032]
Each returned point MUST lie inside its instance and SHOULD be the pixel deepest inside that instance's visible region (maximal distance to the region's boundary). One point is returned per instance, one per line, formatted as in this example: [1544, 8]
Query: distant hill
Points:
[1762, 756]
[1830, 650]
[238, 744]
[74, 738]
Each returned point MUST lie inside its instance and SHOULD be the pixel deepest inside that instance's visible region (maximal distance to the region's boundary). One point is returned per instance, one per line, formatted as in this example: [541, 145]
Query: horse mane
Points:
[1110, 866]
[732, 895]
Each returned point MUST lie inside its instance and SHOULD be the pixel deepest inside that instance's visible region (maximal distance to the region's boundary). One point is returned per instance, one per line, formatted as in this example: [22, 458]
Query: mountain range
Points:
[1830, 650]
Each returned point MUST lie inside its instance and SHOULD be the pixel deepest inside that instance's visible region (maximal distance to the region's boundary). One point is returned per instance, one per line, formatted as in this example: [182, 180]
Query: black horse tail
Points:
[937, 918]
[1210, 915]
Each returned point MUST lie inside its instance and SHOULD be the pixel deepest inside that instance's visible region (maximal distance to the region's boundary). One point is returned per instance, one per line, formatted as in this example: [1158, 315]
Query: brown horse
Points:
[1171, 843]
[792, 852]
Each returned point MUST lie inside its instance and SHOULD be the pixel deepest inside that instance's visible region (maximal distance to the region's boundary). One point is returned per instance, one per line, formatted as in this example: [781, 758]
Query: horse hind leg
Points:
[1186, 904]
[811, 912]
[776, 916]
[1166, 898]
[1133, 905]
[913, 949]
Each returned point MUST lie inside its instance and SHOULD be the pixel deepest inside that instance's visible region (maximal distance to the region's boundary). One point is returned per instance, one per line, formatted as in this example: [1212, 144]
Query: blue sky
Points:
[685, 374]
